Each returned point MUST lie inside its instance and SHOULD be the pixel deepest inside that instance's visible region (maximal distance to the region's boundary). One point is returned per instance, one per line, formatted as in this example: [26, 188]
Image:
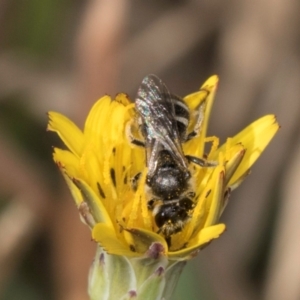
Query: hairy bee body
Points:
[163, 120]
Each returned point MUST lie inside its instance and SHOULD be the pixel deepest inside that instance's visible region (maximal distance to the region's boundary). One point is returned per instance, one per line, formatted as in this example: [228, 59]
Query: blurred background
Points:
[63, 55]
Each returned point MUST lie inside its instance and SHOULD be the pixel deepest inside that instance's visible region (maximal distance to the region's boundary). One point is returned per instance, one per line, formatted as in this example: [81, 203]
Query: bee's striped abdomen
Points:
[182, 116]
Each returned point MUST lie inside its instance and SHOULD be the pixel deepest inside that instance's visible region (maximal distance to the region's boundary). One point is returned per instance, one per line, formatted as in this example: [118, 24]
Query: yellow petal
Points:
[207, 94]
[216, 196]
[106, 237]
[96, 121]
[208, 87]
[68, 165]
[209, 204]
[211, 85]
[203, 237]
[235, 158]
[76, 194]
[94, 203]
[69, 133]
[255, 139]
[91, 169]
[106, 121]
[67, 160]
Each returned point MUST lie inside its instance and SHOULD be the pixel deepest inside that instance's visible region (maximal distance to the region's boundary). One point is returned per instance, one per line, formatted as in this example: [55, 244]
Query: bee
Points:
[163, 120]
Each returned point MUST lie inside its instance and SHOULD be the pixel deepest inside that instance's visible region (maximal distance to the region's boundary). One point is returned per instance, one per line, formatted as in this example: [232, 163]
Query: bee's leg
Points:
[133, 140]
[190, 136]
[137, 142]
[201, 162]
[134, 181]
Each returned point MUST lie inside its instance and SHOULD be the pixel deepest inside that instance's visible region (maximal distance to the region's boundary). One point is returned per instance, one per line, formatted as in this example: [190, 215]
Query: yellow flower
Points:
[134, 260]
[100, 163]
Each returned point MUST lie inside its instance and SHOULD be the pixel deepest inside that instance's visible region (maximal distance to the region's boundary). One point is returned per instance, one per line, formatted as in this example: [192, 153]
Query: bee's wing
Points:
[155, 106]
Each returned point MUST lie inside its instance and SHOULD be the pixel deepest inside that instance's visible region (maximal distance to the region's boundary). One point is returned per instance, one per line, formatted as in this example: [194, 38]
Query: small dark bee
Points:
[163, 121]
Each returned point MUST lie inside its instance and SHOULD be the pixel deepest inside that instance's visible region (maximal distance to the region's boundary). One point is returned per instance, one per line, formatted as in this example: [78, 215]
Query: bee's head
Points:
[170, 218]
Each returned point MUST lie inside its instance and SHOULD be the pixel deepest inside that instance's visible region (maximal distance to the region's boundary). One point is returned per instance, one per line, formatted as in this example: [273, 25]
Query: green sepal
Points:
[111, 277]
[154, 286]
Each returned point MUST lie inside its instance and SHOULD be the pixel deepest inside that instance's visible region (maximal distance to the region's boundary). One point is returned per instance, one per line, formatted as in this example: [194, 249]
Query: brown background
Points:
[63, 55]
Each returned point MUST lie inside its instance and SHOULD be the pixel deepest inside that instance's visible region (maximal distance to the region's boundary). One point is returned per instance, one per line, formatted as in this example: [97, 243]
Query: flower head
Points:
[101, 163]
